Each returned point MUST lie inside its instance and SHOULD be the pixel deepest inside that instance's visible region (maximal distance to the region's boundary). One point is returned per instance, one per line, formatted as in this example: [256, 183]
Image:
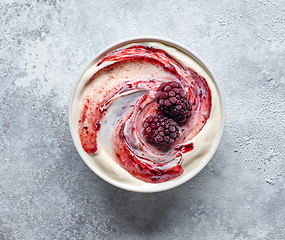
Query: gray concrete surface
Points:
[46, 190]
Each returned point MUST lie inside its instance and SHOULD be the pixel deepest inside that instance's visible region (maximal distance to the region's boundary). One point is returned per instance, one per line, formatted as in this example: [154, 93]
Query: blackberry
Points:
[173, 102]
[160, 129]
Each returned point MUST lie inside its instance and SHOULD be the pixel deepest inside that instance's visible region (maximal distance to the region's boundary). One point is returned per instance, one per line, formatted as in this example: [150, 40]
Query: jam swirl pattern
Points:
[143, 160]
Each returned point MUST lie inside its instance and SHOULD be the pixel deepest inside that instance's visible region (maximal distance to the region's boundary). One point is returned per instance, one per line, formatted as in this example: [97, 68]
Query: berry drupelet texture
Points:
[160, 129]
[173, 102]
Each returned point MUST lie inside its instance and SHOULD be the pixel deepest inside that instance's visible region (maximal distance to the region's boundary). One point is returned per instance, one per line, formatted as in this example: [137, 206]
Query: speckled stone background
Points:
[46, 190]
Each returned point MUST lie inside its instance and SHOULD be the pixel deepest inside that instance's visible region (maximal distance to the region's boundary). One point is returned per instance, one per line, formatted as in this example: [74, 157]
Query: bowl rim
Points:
[156, 187]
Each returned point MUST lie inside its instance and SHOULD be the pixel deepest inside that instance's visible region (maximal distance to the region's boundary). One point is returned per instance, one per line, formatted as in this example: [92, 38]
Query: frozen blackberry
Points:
[173, 102]
[161, 130]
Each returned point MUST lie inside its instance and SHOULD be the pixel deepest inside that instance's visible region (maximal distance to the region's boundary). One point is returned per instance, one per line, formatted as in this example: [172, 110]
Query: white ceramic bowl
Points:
[135, 185]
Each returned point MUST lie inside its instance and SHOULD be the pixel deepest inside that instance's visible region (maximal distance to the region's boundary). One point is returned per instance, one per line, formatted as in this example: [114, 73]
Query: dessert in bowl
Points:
[146, 114]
